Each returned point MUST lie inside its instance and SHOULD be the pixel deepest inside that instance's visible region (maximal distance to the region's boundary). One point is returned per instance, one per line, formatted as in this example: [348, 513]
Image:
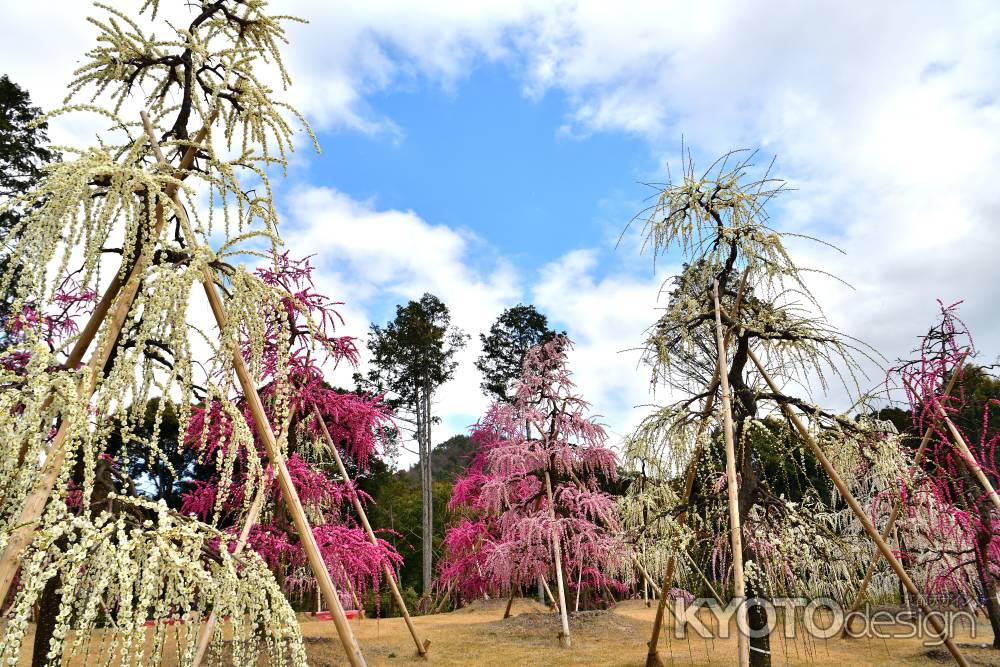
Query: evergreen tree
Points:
[412, 356]
[516, 331]
[23, 153]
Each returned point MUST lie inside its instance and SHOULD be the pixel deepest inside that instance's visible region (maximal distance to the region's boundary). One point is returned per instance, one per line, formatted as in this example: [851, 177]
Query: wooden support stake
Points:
[653, 657]
[896, 507]
[390, 576]
[739, 585]
[548, 591]
[288, 491]
[444, 598]
[564, 639]
[510, 603]
[862, 516]
[122, 298]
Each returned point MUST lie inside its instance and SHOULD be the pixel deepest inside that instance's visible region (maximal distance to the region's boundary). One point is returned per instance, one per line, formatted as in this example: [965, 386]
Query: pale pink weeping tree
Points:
[950, 526]
[355, 423]
[531, 501]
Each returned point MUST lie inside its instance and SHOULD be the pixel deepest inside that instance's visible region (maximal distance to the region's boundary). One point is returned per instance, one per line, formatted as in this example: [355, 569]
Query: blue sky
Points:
[491, 152]
[484, 157]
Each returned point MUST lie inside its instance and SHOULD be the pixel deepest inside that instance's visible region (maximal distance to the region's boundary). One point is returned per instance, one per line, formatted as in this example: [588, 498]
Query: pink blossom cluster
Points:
[355, 424]
[56, 325]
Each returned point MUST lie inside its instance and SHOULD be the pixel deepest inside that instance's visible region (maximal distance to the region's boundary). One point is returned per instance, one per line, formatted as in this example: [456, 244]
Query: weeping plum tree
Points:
[355, 422]
[533, 505]
[411, 356]
[717, 220]
[212, 132]
[949, 527]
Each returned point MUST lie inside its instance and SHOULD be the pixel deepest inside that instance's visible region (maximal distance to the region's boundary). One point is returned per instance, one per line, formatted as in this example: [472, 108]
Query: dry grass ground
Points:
[477, 635]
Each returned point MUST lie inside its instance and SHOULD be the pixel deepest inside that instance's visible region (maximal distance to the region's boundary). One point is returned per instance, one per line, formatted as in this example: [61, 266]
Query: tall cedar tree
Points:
[411, 356]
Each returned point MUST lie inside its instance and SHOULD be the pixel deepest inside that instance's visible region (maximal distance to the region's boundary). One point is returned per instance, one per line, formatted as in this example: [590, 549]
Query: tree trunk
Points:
[48, 611]
[510, 603]
[426, 488]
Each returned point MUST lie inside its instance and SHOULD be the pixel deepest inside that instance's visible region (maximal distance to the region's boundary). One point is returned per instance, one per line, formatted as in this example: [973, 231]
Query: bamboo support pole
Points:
[548, 591]
[121, 297]
[390, 576]
[354, 594]
[579, 585]
[704, 579]
[208, 628]
[894, 514]
[564, 639]
[653, 657]
[288, 491]
[739, 584]
[969, 458]
[646, 579]
[862, 516]
[444, 598]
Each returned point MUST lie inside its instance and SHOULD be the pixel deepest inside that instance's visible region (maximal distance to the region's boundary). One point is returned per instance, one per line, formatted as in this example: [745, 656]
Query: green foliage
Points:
[398, 508]
[167, 475]
[414, 351]
[23, 153]
[516, 331]
[23, 144]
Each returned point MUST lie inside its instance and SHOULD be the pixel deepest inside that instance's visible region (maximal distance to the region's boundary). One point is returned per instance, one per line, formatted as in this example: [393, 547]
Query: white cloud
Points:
[374, 258]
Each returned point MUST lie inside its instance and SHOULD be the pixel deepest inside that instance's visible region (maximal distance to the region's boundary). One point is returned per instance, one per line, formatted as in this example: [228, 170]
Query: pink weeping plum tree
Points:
[356, 424]
[530, 500]
[952, 522]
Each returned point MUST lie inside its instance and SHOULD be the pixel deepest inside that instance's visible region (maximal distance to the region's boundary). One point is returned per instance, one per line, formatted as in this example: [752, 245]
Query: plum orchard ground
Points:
[476, 636]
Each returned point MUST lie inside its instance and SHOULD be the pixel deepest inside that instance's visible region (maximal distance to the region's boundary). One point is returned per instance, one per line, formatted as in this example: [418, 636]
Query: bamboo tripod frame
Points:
[883, 548]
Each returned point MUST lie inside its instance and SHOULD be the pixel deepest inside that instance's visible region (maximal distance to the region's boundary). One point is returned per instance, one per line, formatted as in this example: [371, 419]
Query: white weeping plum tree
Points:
[744, 475]
[159, 216]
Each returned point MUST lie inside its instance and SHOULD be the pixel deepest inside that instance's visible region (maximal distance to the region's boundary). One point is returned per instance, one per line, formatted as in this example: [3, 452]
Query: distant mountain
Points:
[448, 459]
